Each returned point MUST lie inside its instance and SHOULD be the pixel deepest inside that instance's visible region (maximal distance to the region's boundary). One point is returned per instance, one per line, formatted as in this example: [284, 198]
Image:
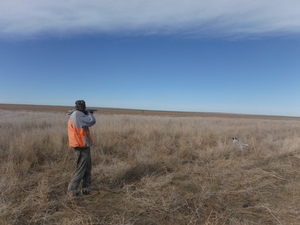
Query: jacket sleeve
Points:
[87, 120]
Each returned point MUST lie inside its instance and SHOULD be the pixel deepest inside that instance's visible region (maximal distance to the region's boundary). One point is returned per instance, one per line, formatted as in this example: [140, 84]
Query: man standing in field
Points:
[80, 140]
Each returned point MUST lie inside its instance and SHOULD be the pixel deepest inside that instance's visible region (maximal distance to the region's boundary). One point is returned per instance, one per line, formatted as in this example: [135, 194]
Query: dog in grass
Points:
[236, 142]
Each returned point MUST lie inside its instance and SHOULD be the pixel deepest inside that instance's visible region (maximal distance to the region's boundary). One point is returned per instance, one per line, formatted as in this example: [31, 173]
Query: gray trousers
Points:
[83, 171]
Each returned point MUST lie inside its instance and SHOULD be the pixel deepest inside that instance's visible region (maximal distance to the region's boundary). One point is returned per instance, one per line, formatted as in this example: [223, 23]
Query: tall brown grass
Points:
[152, 170]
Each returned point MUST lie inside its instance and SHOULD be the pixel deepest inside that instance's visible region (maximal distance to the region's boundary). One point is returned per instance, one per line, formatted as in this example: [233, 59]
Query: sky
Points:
[227, 56]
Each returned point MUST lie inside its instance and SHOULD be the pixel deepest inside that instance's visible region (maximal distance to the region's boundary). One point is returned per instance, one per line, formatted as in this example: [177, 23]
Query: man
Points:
[80, 140]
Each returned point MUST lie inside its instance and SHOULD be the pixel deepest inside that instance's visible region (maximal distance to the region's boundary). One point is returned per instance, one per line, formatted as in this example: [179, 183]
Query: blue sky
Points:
[225, 56]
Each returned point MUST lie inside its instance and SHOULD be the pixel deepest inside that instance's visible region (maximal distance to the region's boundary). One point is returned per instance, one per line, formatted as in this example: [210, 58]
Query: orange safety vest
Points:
[79, 137]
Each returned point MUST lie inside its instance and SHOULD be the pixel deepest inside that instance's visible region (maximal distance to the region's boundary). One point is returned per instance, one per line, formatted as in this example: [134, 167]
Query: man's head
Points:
[80, 105]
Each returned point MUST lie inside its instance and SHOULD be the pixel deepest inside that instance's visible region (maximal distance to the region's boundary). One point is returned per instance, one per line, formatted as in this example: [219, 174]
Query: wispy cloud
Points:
[233, 18]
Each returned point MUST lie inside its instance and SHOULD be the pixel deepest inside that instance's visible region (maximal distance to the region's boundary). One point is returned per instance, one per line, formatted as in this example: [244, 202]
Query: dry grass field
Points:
[151, 168]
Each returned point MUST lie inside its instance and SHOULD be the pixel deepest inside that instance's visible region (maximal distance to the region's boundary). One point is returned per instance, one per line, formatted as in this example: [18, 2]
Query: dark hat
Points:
[80, 105]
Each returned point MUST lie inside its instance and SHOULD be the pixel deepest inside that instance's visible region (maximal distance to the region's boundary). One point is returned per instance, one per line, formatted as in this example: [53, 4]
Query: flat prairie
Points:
[151, 167]
[117, 111]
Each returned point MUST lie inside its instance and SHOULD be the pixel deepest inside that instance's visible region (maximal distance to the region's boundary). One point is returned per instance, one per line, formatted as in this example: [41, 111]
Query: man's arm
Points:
[88, 120]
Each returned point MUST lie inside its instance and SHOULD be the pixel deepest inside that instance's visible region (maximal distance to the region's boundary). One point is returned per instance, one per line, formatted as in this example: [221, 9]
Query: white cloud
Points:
[231, 18]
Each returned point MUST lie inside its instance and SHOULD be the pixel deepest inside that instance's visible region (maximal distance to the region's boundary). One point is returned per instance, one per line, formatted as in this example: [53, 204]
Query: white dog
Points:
[238, 143]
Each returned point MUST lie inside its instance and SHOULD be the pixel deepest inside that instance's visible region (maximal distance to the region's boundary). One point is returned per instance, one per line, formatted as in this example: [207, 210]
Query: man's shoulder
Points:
[75, 113]
[79, 113]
